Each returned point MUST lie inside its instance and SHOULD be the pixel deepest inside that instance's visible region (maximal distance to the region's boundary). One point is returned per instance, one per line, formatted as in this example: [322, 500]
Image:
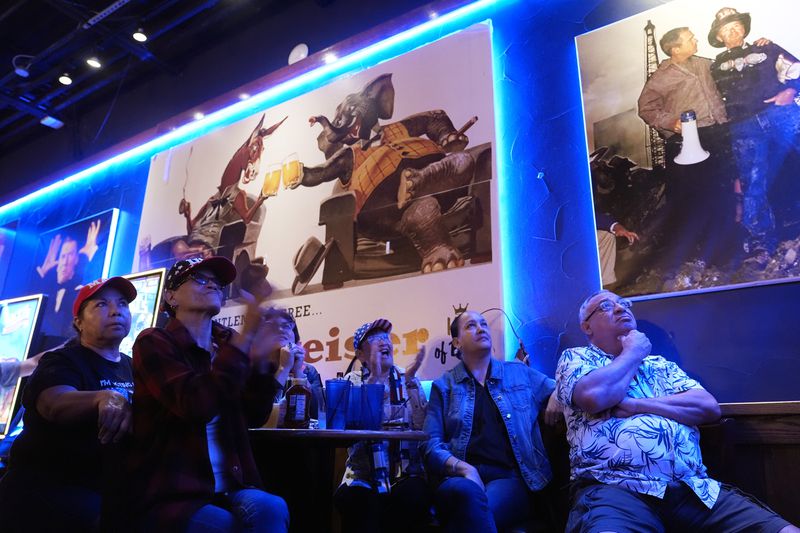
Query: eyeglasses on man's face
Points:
[375, 337]
[607, 306]
[204, 280]
[283, 325]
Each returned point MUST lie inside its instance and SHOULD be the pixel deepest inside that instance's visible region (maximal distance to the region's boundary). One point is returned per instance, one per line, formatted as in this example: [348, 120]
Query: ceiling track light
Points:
[139, 35]
[65, 79]
[51, 122]
[22, 65]
[104, 14]
[93, 62]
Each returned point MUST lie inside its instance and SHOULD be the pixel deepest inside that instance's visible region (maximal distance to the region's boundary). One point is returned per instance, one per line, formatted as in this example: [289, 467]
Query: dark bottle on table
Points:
[298, 404]
[380, 467]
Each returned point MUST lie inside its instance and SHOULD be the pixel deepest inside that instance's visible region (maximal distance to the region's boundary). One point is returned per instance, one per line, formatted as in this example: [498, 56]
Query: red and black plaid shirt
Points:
[178, 389]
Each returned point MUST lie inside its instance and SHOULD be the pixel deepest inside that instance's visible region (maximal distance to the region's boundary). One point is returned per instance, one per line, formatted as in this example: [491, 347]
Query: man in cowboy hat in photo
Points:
[759, 85]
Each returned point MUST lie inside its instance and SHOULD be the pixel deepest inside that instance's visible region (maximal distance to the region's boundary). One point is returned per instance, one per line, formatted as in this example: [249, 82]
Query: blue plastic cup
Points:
[354, 408]
[337, 393]
[372, 406]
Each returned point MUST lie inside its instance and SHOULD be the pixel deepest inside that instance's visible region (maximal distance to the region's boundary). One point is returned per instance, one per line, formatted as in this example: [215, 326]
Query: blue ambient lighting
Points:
[112, 235]
[536, 188]
[426, 32]
[503, 201]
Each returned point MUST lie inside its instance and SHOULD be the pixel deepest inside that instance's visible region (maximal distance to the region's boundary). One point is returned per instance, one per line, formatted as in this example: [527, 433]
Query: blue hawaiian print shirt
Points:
[642, 453]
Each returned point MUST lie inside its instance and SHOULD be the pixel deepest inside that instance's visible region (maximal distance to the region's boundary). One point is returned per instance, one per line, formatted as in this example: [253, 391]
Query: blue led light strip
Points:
[112, 236]
[382, 50]
[503, 200]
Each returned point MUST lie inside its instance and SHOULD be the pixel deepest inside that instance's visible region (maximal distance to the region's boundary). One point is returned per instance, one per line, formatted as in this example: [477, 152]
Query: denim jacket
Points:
[519, 393]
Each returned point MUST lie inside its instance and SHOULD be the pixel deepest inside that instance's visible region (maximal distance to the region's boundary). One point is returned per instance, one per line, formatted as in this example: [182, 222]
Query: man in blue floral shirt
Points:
[634, 445]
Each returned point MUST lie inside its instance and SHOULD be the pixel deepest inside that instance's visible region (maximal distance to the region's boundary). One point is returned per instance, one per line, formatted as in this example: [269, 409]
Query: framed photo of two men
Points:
[692, 116]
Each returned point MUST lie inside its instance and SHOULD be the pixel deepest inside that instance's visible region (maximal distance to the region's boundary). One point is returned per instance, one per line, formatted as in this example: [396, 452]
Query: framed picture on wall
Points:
[369, 188]
[693, 127]
[67, 258]
[19, 323]
[144, 309]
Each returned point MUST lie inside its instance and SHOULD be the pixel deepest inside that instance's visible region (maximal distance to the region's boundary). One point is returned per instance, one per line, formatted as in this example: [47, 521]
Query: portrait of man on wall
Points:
[66, 259]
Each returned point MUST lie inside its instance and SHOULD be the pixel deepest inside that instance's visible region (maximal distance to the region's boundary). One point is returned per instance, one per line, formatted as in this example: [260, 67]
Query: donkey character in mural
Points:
[406, 180]
[229, 203]
[229, 222]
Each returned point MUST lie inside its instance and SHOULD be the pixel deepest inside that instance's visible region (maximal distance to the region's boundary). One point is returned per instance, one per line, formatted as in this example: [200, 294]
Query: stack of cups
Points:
[337, 392]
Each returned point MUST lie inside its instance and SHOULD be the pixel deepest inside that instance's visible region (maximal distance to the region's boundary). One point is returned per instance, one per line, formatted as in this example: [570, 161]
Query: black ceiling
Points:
[51, 37]
[196, 50]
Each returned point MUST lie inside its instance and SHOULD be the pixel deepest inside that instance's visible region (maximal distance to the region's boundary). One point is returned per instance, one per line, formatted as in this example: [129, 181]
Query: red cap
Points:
[87, 291]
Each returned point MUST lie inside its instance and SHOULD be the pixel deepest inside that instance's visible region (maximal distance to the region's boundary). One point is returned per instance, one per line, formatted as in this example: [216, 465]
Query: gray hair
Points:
[585, 305]
[671, 39]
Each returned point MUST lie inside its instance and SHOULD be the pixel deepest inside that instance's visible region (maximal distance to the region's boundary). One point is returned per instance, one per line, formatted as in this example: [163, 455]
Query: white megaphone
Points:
[691, 151]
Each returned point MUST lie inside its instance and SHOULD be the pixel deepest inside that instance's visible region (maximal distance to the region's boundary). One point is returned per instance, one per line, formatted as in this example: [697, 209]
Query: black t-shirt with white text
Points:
[68, 451]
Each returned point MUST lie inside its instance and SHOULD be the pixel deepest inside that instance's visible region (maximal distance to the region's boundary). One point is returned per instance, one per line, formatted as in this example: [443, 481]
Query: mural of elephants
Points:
[412, 179]
[367, 193]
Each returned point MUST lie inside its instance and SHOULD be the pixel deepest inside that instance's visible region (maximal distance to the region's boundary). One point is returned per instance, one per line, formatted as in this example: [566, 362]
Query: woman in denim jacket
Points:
[485, 446]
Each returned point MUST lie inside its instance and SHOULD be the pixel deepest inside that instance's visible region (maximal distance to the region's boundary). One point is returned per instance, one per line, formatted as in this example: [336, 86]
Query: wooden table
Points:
[300, 466]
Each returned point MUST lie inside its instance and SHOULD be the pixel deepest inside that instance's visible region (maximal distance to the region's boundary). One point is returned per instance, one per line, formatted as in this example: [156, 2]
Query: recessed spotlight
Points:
[65, 79]
[198, 115]
[139, 35]
[330, 57]
[243, 96]
[94, 62]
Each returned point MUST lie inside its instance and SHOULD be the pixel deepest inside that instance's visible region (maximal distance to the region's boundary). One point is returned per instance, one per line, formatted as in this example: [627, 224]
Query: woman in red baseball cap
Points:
[77, 401]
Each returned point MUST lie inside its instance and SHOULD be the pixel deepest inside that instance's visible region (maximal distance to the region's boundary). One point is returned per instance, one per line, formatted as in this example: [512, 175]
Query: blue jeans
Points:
[242, 510]
[760, 146]
[462, 506]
